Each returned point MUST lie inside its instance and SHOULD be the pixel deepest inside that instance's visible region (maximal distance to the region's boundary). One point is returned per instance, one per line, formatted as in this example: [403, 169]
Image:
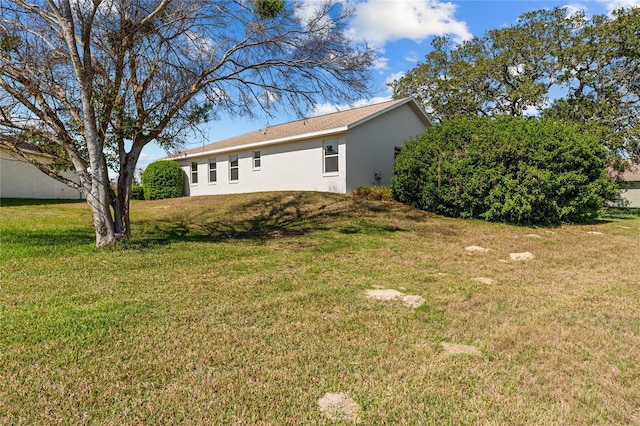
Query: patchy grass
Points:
[246, 309]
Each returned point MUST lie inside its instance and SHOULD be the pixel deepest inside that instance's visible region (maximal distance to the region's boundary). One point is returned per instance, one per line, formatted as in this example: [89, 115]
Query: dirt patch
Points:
[533, 236]
[339, 406]
[452, 349]
[410, 300]
[595, 233]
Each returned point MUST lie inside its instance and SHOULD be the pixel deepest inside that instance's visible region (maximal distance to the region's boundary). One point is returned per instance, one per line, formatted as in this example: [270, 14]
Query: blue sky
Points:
[401, 31]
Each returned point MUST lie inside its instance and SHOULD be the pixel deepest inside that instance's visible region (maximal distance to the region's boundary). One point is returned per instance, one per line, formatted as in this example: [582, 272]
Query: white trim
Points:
[238, 148]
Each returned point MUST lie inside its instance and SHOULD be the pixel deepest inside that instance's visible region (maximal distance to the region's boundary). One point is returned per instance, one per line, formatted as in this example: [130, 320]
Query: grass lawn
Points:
[247, 309]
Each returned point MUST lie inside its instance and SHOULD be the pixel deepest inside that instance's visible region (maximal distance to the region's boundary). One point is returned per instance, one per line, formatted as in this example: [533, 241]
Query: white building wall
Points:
[371, 146]
[19, 179]
[630, 195]
[296, 166]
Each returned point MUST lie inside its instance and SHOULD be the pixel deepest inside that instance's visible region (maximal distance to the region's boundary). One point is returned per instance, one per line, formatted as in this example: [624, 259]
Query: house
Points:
[630, 188]
[335, 152]
[21, 179]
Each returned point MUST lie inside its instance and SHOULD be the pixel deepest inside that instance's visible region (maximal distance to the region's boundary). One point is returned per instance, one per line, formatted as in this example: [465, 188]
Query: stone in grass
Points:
[484, 280]
[595, 233]
[533, 236]
[411, 300]
[339, 406]
[521, 256]
[452, 349]
[476, 249]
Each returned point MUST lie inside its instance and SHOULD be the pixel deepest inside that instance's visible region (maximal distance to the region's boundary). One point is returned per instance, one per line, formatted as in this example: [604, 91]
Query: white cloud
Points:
[391, 78]
[412, 57]
[327, 108]
[574, 8]
[381, 21]
[381, 63]
[612, 5]
[531, 111]
[395, 76]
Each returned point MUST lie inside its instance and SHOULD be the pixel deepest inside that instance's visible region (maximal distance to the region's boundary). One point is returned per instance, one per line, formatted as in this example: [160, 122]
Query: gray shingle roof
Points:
[305, 128]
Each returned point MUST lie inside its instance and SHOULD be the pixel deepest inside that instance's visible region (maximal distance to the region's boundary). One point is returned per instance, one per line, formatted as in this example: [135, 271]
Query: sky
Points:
[401, 31]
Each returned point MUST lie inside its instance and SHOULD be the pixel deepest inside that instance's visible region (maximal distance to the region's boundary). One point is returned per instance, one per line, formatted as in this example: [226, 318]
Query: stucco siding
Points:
[630, 194]
[296, 166]
[371, 146]
[19, 179]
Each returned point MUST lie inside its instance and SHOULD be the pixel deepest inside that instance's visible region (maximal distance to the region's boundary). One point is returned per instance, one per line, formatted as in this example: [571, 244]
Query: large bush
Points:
[516, 170]
[162, 179]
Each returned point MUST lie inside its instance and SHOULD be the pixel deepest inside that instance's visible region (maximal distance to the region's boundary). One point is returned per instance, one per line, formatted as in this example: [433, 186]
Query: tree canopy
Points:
[91, 82]
[561, 65]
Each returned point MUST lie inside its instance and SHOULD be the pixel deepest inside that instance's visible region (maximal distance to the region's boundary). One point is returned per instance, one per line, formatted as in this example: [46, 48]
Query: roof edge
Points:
[270, 142]
[408, 100]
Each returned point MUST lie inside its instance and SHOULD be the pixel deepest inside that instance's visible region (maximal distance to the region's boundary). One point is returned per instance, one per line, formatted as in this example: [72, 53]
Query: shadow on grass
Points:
[621, 213]
[263, 219]
[47, 238]
[13, 202]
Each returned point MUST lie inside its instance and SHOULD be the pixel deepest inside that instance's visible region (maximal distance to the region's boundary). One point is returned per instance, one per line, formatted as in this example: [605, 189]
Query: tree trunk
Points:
[99, 201]
[121, 200]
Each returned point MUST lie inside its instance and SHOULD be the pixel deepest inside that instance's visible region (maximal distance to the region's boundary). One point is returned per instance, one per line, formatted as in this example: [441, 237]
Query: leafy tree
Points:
[594, 62]
[508, 169]
[163, 179]
[91, 82]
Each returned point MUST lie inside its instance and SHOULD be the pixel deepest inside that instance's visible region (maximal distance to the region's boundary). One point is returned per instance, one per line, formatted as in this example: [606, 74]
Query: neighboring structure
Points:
[21, 179]
[330, 153]
[630, 188]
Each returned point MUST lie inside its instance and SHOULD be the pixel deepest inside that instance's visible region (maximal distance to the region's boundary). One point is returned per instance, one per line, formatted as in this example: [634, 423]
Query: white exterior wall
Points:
[296, 166]
[19, 179]
[371, 146]
[630, 194]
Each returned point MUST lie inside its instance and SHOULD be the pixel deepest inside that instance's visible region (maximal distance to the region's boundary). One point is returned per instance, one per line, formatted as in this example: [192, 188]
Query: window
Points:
[194, 172]
[330, 148]
[256, 159]
[213, 172]
[233, 168]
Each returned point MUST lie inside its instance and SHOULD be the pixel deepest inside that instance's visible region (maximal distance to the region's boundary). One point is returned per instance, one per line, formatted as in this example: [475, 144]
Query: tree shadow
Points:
[47, 238]
[13, 202]
[266, 218]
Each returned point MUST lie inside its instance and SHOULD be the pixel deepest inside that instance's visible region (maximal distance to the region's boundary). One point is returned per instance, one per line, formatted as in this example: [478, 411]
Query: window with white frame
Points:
[330, 152]
[256, 159]
[194, 172]
[233, 168]
[213, 170]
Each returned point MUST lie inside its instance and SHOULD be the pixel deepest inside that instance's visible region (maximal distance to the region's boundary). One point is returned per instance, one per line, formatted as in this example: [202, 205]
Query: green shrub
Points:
[137, 192]
[373, 192]
[162, 179]
[516, 170]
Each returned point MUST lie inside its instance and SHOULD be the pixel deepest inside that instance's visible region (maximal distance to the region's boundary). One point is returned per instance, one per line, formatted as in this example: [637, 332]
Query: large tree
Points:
[564, 65]
[92, 82]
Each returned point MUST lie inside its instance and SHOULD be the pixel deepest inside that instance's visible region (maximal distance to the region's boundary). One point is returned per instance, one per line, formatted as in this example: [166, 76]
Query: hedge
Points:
[518, 170]
[162, 179]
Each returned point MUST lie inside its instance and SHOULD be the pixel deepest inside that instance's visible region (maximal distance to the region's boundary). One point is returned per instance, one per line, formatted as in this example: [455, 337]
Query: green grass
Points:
[246, 309]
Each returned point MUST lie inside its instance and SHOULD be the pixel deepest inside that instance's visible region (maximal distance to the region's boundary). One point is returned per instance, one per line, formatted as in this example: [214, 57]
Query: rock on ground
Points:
[338, 406]
[484, 280]
[521, 256]
[411, 300]
[533, 236]
[476, 249]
